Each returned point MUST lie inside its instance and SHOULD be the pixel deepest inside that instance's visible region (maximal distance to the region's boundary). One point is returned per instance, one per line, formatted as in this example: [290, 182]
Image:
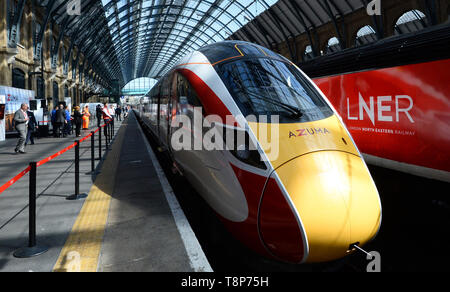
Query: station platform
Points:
[130, 220]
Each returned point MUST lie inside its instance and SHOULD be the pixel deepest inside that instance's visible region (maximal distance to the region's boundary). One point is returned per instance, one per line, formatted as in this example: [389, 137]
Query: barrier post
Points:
[106, 135]
[100, 143]
[113, 128]
[92, 151]
[32, 250]
[92, 154]
[77, 194]
[110, 132]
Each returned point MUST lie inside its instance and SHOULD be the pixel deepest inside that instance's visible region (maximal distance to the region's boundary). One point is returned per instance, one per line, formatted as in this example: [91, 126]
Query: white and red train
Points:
[312, 201]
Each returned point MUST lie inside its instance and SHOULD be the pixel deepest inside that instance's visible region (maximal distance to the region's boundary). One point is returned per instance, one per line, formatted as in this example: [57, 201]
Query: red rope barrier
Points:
[44, 161]
[85, 138]
[14, 180]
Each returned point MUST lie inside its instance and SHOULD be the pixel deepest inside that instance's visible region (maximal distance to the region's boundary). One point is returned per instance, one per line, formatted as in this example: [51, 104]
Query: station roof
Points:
[289, 18]
[127, 39]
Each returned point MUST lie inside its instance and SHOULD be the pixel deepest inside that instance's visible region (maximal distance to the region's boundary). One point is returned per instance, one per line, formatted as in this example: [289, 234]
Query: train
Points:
[290, 182]
[394, 98]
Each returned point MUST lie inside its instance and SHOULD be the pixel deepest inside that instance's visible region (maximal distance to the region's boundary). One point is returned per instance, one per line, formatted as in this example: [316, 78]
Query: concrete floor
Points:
[55, 215]
[142, 231]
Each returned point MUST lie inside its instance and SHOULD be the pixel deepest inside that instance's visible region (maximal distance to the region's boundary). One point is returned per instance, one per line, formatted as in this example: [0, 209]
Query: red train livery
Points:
[399, 117]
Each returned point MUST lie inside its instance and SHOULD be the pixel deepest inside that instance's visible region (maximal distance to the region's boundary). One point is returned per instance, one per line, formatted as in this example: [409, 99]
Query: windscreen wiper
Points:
[296, 112]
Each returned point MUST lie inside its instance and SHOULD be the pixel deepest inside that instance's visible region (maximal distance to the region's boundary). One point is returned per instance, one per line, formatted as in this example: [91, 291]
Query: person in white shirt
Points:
[107, 113]
[107, 116]
[21, 122]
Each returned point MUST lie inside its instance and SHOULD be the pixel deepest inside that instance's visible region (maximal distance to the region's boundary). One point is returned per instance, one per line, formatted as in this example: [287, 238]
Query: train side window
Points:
[154, 101]
[164, 96]
[186, 94]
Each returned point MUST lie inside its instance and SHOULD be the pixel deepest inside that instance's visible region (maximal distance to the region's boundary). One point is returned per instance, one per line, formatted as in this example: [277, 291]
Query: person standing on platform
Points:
[125, 112]
[68, 125]
[107, 113]
[77, 120]
[112, 110]
[60, 121]
[119, 113]
[86, 117]
[53, 120]
[107, 116]
[99, 114]
[32, 126]
[21, 122]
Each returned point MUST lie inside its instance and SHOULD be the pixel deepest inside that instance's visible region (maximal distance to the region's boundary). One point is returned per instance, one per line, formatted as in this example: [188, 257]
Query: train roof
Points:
[228, 50]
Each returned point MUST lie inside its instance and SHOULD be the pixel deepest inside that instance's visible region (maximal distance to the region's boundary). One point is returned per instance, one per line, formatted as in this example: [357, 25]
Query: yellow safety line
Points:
[82, 249]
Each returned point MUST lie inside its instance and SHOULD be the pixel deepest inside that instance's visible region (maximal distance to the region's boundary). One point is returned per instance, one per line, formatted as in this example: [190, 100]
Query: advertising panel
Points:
[2, 111]
[401, 113]
[14, 97]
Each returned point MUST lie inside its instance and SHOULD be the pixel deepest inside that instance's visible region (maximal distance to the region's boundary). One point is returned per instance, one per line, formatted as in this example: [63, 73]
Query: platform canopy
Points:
[128, 39]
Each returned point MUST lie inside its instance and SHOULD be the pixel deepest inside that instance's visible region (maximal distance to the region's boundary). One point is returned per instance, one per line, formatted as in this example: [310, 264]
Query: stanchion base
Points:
[75, 197]
[29, 252]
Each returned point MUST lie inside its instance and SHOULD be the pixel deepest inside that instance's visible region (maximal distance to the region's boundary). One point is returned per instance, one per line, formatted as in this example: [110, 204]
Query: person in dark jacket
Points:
[60, 120]
[68, 124]
[119, 113]
[77, 120]
[53, 119]
[32, 126]
[99, 114]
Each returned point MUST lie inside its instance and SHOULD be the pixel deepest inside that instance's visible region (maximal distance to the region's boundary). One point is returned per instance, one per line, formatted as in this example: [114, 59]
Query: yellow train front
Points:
[329, 188]
[319, 197]
[303, 194]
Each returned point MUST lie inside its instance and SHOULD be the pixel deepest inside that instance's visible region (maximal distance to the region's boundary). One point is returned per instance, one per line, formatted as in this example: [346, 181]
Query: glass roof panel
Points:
[149, 35]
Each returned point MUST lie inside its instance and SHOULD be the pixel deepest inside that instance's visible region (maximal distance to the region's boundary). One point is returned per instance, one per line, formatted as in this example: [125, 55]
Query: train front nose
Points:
[334, 201]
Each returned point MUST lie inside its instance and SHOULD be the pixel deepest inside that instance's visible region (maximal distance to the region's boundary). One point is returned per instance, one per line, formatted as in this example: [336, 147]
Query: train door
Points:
[154, 109]
[164, 104]
[182, 131]
[158, 109]
[208, 171]
[173, 105]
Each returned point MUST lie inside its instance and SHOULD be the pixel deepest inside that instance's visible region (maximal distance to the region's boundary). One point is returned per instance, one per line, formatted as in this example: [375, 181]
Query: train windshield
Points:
[267, 87]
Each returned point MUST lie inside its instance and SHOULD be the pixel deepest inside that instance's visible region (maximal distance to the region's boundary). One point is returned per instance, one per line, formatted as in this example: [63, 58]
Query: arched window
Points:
[62, 55]
[74, 93]
[37, 30]
[40, 88]
[333, 45]
[55, 92]
[411, 21]
[308, 53]
[139, 86]
[53, 45]
[66, 91]
[18, 78]
[365, 35]
[11, 8]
